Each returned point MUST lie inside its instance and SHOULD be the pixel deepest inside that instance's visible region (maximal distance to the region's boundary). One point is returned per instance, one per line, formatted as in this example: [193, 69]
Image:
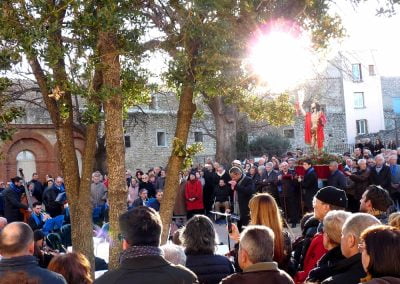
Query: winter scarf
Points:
[138, 251]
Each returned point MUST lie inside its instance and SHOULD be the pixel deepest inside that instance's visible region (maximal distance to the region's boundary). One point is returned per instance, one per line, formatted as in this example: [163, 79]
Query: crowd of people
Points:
[350, 224]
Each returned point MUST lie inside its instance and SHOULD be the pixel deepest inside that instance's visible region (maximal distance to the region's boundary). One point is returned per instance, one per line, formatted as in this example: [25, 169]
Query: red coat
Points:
[194, 189]
[314, 253]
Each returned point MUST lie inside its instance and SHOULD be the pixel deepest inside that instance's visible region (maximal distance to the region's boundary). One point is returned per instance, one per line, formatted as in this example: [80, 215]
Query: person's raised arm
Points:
[300, 96]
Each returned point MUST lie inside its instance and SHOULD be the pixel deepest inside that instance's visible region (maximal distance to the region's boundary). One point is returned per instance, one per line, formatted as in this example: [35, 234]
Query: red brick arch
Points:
[30, 140]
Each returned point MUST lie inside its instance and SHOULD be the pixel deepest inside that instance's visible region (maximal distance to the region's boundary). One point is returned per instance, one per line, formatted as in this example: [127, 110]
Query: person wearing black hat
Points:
[326, 199]
[12, 201]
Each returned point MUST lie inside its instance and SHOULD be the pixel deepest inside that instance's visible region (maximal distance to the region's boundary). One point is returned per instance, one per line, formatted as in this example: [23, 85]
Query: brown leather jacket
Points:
[260, 273]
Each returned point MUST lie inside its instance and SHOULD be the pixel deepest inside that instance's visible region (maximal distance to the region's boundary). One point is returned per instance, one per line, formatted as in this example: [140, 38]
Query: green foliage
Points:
[7, 113]
[63, 36]
[208, 42]
[277, 112]
[271, 144]
[180, 150]
[322, 158]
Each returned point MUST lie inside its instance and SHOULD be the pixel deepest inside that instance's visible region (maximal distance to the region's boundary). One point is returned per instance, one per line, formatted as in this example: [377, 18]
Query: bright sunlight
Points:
[280, 56]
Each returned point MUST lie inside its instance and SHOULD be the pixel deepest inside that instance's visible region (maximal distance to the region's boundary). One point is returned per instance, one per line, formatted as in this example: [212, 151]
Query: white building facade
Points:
[362, 93]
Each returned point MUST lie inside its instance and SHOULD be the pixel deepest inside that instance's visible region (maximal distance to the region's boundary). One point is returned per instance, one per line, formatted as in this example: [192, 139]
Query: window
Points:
[356, 72]
[198, 136]
[288, 133]
[26, 162]
[359, 100]
[396, 105]
[371, 69]
[127, 141]
[161, 139]
[361, 126]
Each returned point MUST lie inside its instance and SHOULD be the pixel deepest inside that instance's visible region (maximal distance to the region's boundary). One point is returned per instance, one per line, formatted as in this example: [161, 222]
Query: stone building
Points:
[149, 131]
[350, 94]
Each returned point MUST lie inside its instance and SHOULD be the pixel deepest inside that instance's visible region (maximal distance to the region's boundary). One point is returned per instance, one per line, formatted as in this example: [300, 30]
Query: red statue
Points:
[314, 124]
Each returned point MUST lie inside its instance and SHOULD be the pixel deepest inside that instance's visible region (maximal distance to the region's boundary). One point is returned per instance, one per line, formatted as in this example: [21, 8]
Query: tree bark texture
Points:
[185, 115]
[78, 195]
[113, 108]
[225, 118]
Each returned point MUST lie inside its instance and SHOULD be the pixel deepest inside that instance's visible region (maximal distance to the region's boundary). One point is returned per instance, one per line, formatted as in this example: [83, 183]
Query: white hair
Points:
[174, 254]
[361, 161]
[357, 223]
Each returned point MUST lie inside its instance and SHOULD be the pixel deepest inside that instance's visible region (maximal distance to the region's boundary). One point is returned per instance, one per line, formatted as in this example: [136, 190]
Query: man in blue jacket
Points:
[16, 249]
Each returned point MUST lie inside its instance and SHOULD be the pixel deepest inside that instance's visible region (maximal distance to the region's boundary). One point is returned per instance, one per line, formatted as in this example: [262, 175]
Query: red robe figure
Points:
[314, 125]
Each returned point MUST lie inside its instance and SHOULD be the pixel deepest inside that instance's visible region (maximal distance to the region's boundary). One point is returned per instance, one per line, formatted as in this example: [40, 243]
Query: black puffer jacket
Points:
[209, 268]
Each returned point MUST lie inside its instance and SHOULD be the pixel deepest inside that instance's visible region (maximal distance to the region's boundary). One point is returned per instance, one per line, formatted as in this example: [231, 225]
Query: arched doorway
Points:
[26, 161]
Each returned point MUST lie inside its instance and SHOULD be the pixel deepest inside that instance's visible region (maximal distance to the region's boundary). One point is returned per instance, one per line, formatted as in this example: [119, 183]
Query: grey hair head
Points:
[174, 254]
[199, 236]
[360, 161]
[357, 223]
[258, 242]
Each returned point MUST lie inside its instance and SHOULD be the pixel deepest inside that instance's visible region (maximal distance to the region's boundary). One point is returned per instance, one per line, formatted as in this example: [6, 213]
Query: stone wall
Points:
[142, 129]
[327, 91]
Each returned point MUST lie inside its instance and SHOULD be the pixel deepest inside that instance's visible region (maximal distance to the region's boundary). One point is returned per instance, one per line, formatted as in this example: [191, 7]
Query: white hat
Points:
[236, 162]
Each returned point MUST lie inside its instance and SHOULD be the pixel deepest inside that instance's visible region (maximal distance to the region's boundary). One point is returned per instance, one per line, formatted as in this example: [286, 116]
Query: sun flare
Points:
[280, 58]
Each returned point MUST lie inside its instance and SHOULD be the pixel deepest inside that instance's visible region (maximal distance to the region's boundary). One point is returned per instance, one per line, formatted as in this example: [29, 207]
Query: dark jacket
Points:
[260, 273]
[12, 205]
[148, 270]
[222, 194]
[310, 181]
[384, 280]
[225, 176]
[337, 179]
[360, 183]
[160, 183]
[53, 207]
[287, 184]
[383, 178]
[151, 191]
[138, 202]
[325, 264]
[29, 264]
[269, 182]
[300, 245]
[209, 268]
[347, 271]
[36, 223]
[245, 190]
[37, 190]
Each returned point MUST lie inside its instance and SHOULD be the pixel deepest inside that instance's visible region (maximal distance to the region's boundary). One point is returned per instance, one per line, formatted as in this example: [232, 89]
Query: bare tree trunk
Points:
[109, 56]
[185, 115]
[81, 207]
[79, 200]
[225, 118]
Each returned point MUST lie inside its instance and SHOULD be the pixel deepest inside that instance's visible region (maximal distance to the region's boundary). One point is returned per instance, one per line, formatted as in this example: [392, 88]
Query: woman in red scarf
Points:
[194, 196]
